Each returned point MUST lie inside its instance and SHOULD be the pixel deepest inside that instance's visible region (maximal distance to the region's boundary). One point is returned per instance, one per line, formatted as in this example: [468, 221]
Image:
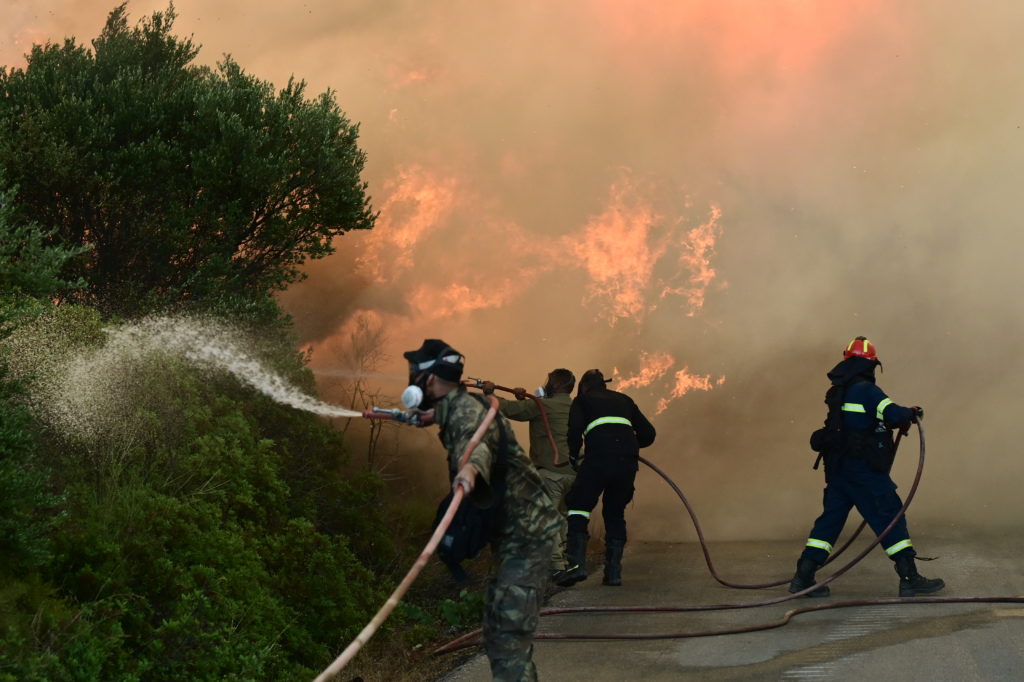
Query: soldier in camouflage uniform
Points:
[527, 521]
[553, 466]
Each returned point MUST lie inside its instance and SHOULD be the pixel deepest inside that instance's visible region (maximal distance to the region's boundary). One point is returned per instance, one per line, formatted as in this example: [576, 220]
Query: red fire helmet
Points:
[862, 347]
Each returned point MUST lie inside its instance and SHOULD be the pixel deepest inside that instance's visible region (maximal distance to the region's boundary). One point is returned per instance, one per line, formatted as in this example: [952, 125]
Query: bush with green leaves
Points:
[221, 543]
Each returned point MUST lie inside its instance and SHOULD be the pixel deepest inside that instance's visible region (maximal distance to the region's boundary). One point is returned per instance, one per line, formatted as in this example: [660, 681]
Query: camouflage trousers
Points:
[557, 483]
[514, 598]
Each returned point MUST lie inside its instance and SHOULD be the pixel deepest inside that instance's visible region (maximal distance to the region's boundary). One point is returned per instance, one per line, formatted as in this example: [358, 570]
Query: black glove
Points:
[574, 462]
[918, 414]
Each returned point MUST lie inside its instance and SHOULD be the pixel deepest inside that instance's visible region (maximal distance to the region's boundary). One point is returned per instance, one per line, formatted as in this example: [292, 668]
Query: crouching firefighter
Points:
[614, 430]
[498, 475]
[857, 447]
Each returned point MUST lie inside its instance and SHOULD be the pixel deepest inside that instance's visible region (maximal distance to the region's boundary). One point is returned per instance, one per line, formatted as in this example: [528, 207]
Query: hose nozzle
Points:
[411, 417]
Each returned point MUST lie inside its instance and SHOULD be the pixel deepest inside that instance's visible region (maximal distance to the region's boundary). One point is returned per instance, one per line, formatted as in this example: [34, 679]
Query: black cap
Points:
[592, 378]
[436, 357]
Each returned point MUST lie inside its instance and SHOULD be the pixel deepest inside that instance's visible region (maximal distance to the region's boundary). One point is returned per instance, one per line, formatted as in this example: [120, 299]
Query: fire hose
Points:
[479, 383]
[704, 545]
[367, 632]
[469, 639]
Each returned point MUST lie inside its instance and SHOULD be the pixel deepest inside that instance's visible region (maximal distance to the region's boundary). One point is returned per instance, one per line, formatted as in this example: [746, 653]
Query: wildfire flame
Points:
[695, 257]
[633, 257]
[686, 382]
[652, 367]
[614, 250]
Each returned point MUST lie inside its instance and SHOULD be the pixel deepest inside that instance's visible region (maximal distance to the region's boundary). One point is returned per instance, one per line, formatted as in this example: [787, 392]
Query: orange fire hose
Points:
[476, 383]
[363, 637]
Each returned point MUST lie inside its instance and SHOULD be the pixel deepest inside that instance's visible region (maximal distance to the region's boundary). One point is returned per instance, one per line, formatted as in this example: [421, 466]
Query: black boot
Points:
[576, 553]
[913, 583]
[804, 578]
[613, 561]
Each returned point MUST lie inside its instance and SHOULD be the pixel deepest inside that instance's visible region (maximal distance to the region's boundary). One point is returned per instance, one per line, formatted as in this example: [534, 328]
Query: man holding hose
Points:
[548, 417]
[498, 473]
[857, 447]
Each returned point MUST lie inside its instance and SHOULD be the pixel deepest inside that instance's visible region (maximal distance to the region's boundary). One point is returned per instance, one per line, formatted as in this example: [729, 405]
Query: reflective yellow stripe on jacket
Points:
[881, 408]
[606, 420]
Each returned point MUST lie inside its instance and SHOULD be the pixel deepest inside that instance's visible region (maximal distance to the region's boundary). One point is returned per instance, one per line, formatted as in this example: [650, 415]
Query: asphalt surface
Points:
[905, 642]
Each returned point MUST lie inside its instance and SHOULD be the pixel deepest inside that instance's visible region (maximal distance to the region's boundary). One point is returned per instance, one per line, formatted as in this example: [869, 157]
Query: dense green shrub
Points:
[215, 540]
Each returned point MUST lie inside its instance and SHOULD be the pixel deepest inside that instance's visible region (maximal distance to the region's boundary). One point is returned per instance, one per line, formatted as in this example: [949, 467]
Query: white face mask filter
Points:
[412, 397]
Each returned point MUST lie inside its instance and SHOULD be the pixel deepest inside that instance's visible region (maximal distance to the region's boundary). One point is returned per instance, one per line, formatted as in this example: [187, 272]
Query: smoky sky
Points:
[730, 189]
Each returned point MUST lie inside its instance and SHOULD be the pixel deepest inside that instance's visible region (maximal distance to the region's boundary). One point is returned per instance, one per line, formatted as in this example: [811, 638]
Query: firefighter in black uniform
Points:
[614, 430]
[857, 446]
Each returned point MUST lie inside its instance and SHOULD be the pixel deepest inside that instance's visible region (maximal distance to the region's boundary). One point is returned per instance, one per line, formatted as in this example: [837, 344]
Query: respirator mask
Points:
[412, 396]
[434, 357]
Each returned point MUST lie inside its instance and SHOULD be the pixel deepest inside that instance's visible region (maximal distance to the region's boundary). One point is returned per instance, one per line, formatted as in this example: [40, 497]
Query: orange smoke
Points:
[739, 35]
[456, 299]
[416, 203]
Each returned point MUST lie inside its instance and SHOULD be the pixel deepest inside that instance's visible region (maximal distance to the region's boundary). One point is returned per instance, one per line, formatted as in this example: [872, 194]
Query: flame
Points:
[615, 252]
[697, 249]
[417, 202]
[652, 367]
[686, 382]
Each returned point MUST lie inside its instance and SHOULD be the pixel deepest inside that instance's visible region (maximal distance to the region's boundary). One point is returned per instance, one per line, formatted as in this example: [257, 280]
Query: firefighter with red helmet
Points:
[857, 447]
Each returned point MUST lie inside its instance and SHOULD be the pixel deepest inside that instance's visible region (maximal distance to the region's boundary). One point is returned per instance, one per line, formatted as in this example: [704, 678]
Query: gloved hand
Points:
[918, 414]
[575, 461]
[487, 387]
[519, 393]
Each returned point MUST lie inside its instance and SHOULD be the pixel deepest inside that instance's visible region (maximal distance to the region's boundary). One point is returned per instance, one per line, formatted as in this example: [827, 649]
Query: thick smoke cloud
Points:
[708, 197]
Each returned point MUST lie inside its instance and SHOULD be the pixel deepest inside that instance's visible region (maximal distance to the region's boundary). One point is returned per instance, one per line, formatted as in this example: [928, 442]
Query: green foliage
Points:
[27, 265]
[29, 512]
[190, 183]
[217, 543]
[466, 611]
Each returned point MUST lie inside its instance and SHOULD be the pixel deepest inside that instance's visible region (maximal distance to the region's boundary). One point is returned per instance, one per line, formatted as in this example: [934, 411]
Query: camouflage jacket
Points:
[525, 506]
[557, 409]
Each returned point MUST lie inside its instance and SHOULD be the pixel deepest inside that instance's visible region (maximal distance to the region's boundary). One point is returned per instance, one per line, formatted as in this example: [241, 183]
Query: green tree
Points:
[27, 265]
[29, 268]
[190, 183]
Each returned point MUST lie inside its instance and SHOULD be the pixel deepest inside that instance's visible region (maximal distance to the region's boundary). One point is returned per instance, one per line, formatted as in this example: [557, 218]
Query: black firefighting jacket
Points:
[609, 422]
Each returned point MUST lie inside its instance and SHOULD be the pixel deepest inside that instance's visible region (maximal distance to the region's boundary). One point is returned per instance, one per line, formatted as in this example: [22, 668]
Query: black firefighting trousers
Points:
[610, 474]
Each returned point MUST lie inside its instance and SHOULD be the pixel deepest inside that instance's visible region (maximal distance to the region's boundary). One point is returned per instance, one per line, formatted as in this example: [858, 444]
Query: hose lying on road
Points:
[470, 638]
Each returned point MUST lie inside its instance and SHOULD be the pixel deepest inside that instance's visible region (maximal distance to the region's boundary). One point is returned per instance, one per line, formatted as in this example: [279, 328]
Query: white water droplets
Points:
[212, 345]
[89, 392]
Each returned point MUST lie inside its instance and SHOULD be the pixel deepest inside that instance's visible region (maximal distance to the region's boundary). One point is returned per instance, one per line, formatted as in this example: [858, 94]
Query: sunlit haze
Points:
[706, 199]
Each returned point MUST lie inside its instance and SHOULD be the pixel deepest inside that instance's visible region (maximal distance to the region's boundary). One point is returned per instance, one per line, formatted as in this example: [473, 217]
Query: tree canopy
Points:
[188, 182]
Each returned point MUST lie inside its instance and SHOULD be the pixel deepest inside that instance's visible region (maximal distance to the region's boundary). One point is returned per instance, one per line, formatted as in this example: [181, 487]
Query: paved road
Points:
[933, 642]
